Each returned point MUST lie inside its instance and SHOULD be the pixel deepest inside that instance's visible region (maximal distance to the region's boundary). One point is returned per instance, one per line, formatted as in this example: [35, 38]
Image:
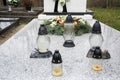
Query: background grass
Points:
[109, 16]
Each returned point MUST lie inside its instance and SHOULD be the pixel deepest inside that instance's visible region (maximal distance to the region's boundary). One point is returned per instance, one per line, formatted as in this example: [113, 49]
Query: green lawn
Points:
[109, 16]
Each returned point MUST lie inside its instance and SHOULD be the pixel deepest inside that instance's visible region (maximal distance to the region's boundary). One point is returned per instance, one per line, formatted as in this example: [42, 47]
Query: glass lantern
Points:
[69, 32]
[95, 39]
[96, 59]
[57, 64]
[43, 41]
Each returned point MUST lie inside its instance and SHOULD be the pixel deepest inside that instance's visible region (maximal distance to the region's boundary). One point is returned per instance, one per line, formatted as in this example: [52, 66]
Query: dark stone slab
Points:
[20, 12]
[7, 23]
[72, 13]
[37, 54]
[105, 54]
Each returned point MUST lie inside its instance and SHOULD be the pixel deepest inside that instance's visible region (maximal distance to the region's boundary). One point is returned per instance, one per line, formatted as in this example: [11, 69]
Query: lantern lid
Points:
[69, 19]
[96, 28]
[56, 57]
[97, 53]
[42, 30]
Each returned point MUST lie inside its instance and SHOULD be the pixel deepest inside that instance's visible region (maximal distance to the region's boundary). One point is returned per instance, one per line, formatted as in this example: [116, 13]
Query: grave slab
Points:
[6, 23]
[15, 61]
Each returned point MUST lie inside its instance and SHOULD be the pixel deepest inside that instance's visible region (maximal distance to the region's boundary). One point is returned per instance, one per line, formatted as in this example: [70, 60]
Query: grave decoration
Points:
[95, 53]
[44, 40]
[57, 64]
[69, 32]
[12, 3]
[55, 25]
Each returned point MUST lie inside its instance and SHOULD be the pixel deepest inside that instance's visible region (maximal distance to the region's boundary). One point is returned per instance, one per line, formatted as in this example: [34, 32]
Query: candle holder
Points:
[69, 33]
[96, 40]
[43, 42]
[57, 64]
[96, 59]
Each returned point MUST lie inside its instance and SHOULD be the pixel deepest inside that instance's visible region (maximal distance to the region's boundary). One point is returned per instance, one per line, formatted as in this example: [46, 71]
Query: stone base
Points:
[38, 54]
[51, 15]
[88, 12]
[105, 55]
[69, 44]
[7, 23]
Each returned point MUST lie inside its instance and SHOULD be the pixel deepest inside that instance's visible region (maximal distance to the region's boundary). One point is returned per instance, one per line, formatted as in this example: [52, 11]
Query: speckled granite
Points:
[6, 22]
[15, 62]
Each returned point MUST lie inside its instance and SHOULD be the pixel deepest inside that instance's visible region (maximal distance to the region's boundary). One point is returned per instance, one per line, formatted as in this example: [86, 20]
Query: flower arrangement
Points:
[56, 25]
[13, 2]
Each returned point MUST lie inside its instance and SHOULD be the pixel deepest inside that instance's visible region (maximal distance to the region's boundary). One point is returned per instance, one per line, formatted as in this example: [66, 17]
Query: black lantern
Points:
[43, 42]
[96, 59]
[56, 64]
[95, 39]
[69, 33]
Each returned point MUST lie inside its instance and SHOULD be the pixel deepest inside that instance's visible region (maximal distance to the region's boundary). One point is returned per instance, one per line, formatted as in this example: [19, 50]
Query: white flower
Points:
[53, 24]
[82, 21]
[62, 2]
[51, 20]
[63, 18]
[9, 0]
[13, 0]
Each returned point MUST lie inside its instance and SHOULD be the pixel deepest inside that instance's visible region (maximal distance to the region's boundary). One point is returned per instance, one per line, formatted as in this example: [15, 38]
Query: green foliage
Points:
[82, 28]
[109, 16]
[56, 28]
[13, 2]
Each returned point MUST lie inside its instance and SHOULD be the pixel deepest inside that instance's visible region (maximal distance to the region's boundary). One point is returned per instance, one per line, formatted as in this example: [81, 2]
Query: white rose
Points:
[82, 21]
[51, 20]
[53, 24]
[9, 0]
[62, 2]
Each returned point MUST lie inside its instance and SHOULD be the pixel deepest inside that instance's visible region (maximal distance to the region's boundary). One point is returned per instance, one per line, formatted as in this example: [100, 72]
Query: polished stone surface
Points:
[72, 5]
[15, 61]
[6, 22]
[20, 12]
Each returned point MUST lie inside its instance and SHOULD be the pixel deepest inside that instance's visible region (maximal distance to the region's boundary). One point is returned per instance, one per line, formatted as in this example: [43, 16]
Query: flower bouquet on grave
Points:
[13, 2]
[60, 5]
[55, 25]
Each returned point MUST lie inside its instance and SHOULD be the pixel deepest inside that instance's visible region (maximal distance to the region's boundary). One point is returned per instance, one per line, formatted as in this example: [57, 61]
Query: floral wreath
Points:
[55, 25]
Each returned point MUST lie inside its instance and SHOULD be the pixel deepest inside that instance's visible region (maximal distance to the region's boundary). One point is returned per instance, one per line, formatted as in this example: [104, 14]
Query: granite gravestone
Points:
[77, 8]
[70, 5]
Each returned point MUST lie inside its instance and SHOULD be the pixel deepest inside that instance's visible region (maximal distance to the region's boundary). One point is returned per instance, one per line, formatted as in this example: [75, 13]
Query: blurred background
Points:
[91, 3]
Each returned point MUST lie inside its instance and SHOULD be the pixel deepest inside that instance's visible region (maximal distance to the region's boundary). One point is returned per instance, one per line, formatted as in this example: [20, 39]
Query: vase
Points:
[9, 8]
[28, 8]
[60, 8]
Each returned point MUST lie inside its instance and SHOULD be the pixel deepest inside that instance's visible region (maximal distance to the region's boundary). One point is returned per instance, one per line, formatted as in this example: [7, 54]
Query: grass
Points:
[109, 16]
